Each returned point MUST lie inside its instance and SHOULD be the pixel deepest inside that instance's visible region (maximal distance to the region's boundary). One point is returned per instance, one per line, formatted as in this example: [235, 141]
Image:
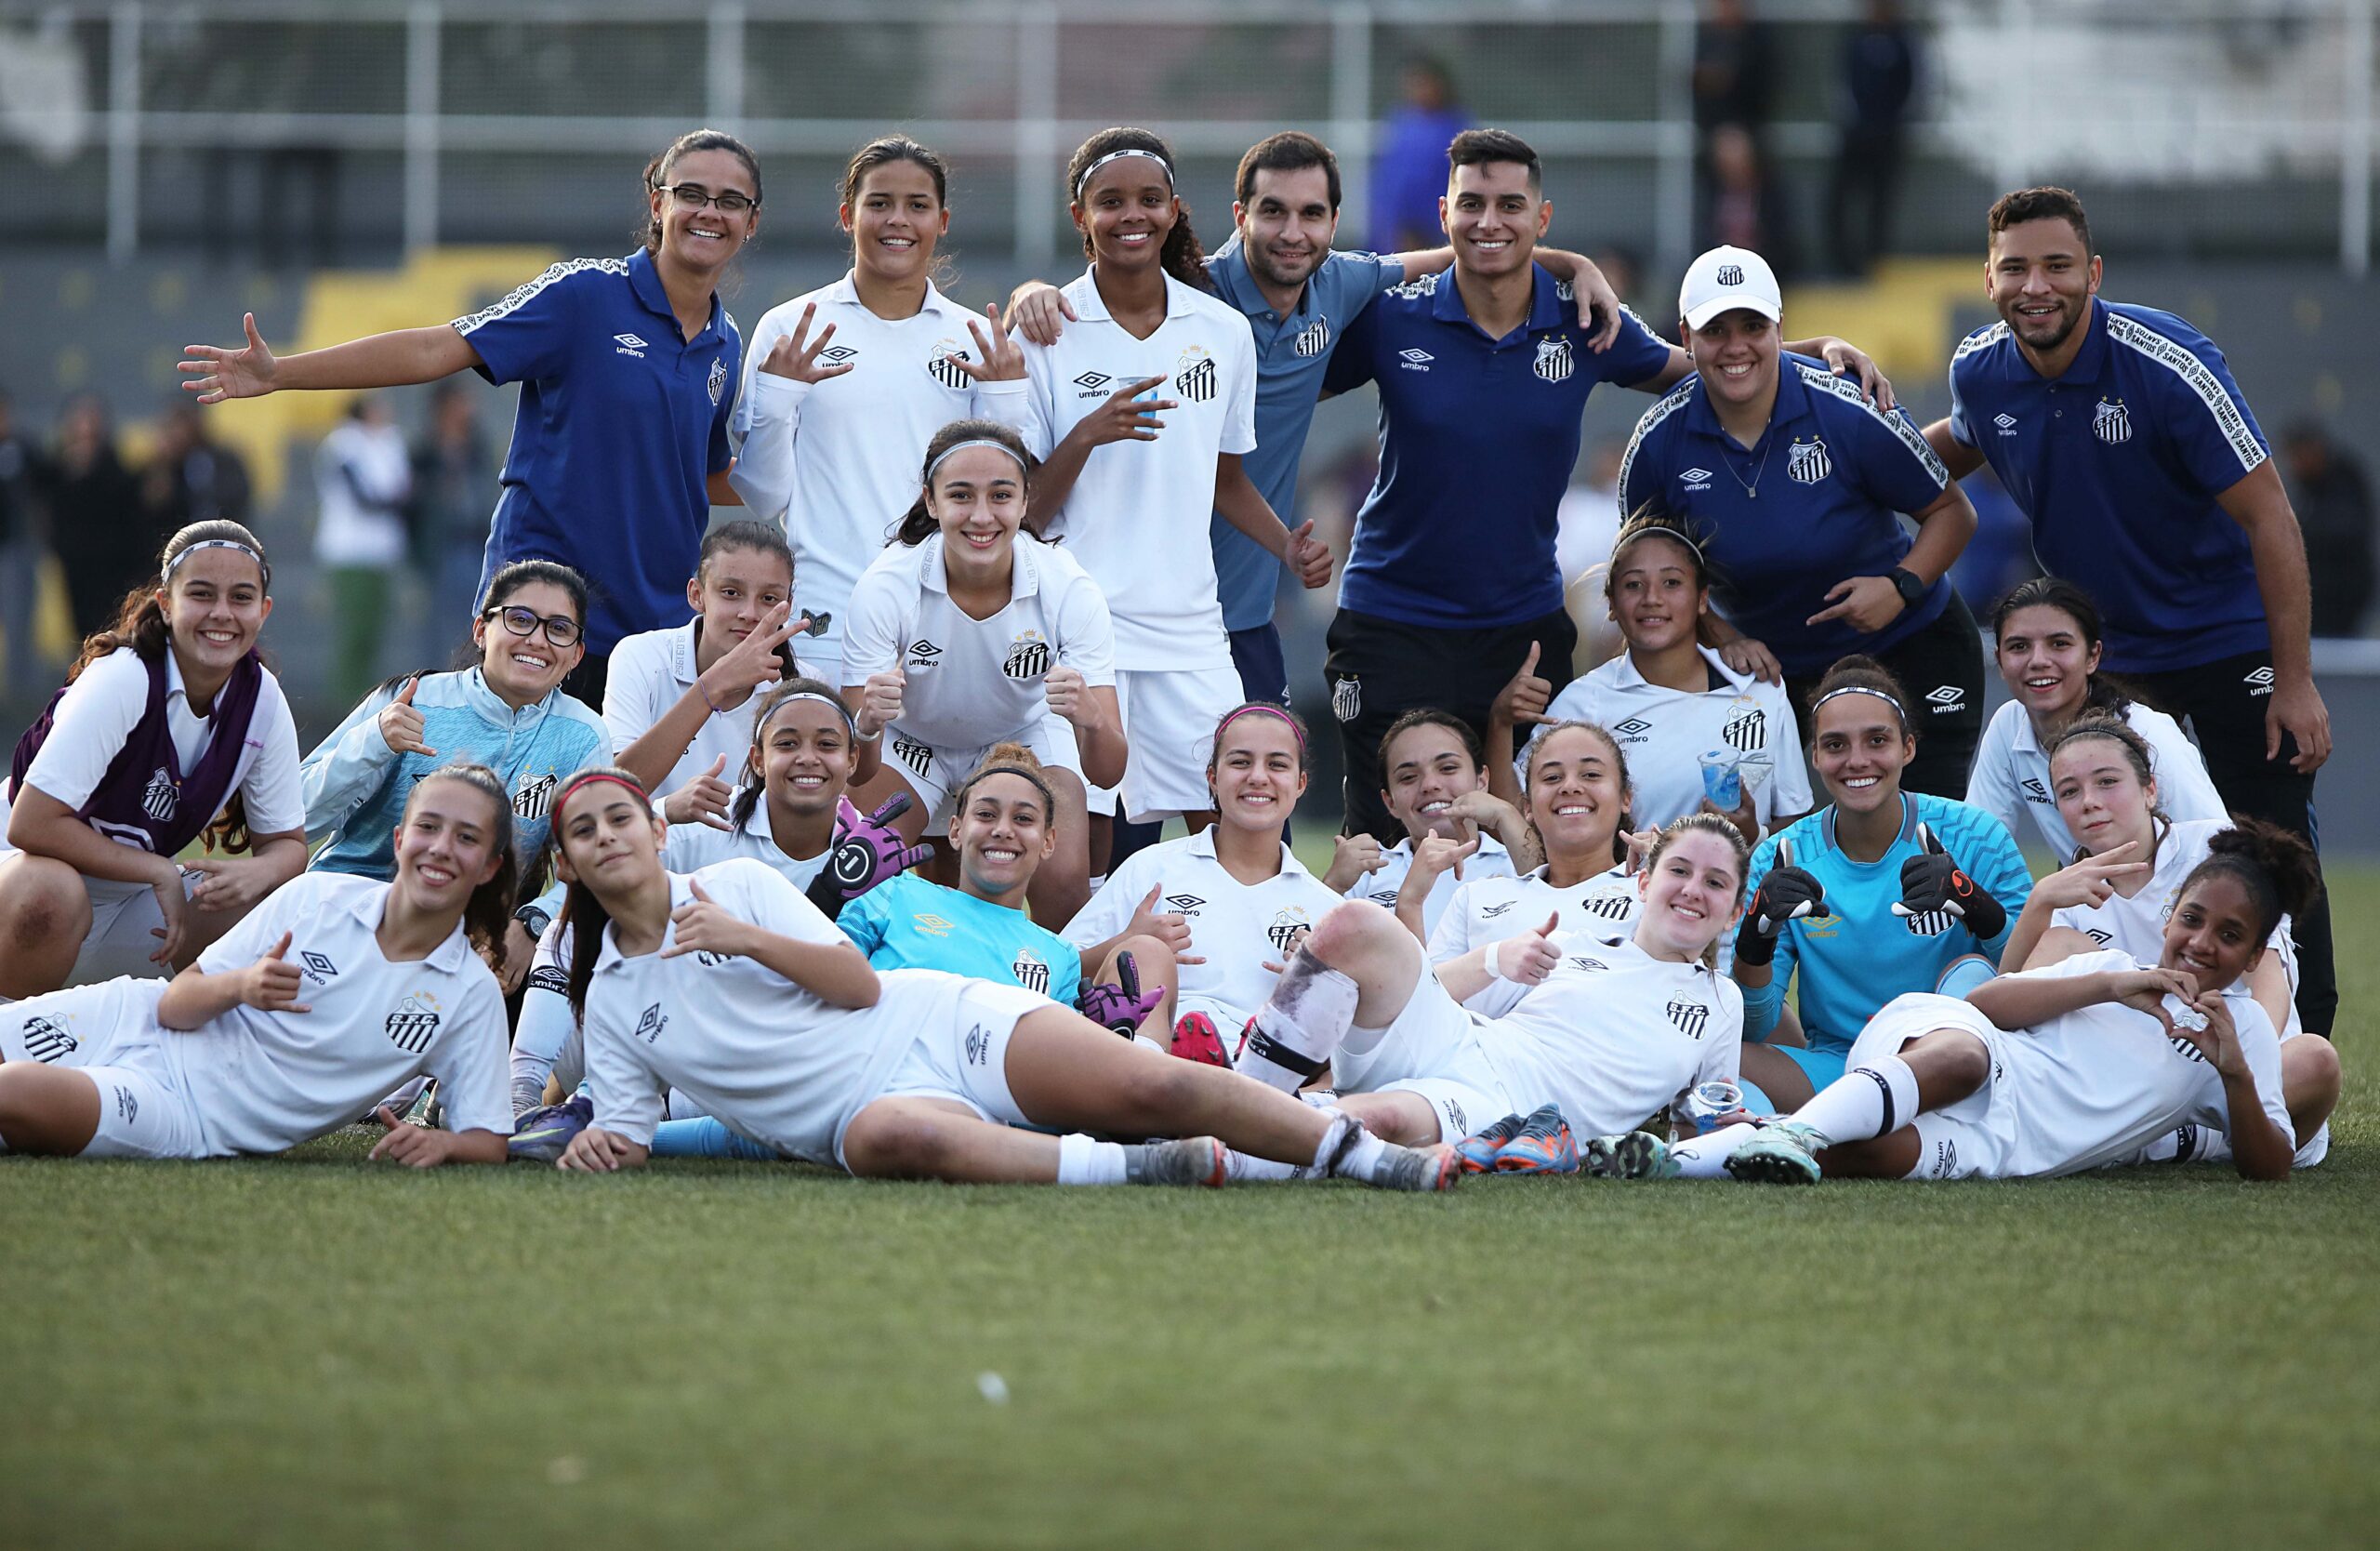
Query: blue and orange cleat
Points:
[1477, 1152]
[1543, 1147]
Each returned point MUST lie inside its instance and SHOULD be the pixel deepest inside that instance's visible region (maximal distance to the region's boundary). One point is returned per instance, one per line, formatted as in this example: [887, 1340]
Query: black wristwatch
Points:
[532, 921]
[1904, 582]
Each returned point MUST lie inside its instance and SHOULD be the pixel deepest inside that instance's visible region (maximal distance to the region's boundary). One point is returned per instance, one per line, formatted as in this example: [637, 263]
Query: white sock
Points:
[1246, 1166]
[1087, 1161]
[1348, 1151]
[1701, 1157]
[1300, 1026]
[1874, 1098]
[2190, 1143]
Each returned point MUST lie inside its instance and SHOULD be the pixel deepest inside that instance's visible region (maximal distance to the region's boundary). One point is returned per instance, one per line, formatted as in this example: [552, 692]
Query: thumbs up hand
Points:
[703, 800]
[272, 984]
[1530, 958]
[401, 725]
[1933, 882]
[1522, 702]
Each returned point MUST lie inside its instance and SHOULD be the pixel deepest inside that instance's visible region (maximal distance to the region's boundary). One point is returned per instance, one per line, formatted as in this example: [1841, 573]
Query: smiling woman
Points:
[628, 370]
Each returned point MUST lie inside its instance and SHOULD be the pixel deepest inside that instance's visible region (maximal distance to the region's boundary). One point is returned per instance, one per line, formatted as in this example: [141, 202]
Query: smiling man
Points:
[2120, 431]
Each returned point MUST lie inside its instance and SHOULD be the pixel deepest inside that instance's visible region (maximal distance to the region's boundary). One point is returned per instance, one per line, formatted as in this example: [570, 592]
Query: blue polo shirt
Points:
[1812, 503]
[1477, 438]
[2119, 463]
[620, 426]
[1292, 354]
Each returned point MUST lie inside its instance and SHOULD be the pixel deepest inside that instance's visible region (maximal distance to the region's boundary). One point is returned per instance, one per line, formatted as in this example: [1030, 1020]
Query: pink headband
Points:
[588, 779]
[1287, 720]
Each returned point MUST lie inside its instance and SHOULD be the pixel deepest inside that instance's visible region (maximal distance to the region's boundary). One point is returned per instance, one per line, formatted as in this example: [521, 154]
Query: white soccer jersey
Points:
[2092, 1087]
[651, 671]
[1488, 910]
[766, 1056]
[1664, 733]
[265, 1082]
[1139, 515]
[1237, 927]
[975, 682]
[2011, 776]
[1491, 860]
[837, 463]
[1613, 1034]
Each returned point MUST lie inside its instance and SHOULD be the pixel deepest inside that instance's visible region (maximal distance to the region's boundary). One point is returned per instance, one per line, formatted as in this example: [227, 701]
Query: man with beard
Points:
[2119, 431]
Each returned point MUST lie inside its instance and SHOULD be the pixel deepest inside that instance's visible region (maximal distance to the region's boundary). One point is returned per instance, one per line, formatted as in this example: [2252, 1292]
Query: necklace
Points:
[1751, 487]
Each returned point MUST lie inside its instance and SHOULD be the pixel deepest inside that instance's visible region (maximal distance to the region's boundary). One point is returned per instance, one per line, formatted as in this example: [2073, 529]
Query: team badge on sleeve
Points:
[718, 383]
[414, 1023]
[1555, 360]
[2111, 422]
[1029, 657]
[944, 364]
[1809, 462]
[1195, 375]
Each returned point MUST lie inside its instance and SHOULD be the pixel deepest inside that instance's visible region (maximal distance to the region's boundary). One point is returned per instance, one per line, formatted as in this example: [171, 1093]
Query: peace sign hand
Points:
[795, 355]
[752, 663]
[2090, 880]
[216, 374]
[1002, 358]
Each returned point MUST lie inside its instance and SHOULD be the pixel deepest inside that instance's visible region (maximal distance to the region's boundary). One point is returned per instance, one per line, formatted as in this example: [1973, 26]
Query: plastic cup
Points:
[1722, 782]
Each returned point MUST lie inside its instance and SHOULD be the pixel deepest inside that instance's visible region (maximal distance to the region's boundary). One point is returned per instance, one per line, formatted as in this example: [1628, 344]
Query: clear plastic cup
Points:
[1722, 779]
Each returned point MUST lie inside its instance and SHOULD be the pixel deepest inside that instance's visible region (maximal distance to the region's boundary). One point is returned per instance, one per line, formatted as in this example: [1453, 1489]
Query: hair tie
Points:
[1118, 156]
[1860, 689]
[1262, 710]
[956, 447]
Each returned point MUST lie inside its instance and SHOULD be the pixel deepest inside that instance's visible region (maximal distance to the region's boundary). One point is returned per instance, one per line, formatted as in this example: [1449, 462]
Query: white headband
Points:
[841, 709]
[1860, 689]
[1118, 156]
[956, 447]
[174, 563]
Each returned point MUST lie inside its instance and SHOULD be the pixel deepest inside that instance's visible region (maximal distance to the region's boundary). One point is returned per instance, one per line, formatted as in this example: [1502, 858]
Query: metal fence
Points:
[403, 124]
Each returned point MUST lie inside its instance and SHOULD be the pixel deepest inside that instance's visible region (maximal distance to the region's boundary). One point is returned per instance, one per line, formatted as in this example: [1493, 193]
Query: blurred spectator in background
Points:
[2000, 553]
[2334, 502]
[362, 477]
[191, 478]
[1409, 169]
[454, 475]
[21, 547]
[1734, 67]
[1585, 524]
[1879, 83]
[101, 532]
[1625, 271]
[1742, 206]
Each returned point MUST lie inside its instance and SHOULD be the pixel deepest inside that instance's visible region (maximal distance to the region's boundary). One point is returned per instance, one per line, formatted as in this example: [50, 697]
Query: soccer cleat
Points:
[1477, 1152]
[1192, 1161]
[1544, 1145]
[1785, 1153]
[1631, 1155]
[1195, 1039]
[540, 1136]
[1421, 1170]
[427, 1109]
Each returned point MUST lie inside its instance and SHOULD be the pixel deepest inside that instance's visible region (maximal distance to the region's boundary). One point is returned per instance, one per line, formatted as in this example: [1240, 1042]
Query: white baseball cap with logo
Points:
[1727, 278]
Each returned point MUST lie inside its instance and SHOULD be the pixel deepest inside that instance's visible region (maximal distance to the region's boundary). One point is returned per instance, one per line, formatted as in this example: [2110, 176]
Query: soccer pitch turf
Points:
[310, 1352]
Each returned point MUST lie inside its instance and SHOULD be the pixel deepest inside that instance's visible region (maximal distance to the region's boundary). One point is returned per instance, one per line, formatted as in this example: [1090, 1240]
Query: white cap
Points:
[1727, 278]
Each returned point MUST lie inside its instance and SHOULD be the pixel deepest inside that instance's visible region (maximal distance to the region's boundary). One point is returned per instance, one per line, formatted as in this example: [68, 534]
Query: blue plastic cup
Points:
[1722, 781]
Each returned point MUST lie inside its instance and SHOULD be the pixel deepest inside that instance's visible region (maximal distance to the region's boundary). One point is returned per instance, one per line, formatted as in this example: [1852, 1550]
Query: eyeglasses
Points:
[561, 630]
[694, 196]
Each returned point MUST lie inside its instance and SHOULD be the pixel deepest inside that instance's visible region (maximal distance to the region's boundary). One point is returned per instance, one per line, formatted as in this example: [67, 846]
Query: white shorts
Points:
[81, 1026]
[109, 1033]
[1978, 1137]
[934, 771]
[958, 1053]
[124, 919]
[1170, 724]
[1434, 1049]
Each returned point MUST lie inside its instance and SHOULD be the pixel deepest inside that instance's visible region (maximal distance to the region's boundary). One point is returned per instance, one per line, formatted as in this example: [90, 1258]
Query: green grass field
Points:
[310, 1352]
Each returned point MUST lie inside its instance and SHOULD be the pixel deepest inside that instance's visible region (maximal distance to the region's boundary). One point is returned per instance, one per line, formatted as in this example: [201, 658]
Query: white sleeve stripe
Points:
[1669, 406]
[522, 294]
[1908, 435]
[1982, 339]
[2179, 359]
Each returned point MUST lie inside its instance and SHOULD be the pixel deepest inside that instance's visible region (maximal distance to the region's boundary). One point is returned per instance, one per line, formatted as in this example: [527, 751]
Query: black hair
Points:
[1183, 257]
[2116, 730]
[656, 172]
[1012, 759]
[749, 797]
[1536, 745]
[1290, 150]
[2047, 203]
[2277, 868]
[918, 525]
[488, 913]
[1862, 672]
[508, 580]
[744, 532]
[1431, 716]
[2102, 692]
[581, 911]
[1476, 147]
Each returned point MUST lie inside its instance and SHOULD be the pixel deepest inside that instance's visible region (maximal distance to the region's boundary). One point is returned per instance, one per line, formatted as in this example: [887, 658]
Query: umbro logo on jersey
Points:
[1315, 338]
[2034, 790]
[716, 382]
[414, 1023]
[550, 977]
[1286, 928]
[2259, 682]
[1633, 730]
[835, 355]
[923, 653]
[1747, 731]
[1946, 697]
[1695, 478]
[160, 796]
[1030, 971]
[2098, 935]
[1028, 657]
[1731, 275]
[651, 1023]
[1184, 903]
[535, 797]
[318, 967]
[2007, 424]
[1554, 362]
[1931, 924]
[931, 924]
[979, 1045]
[1492, 911]
[1195, 375]
[1095, 385]
[2111, 422]
[1415, 360]
[917, 756]
[627, 344]
[1586, 963]
[1691, 1017]
[1807, 463]
[46, 1041]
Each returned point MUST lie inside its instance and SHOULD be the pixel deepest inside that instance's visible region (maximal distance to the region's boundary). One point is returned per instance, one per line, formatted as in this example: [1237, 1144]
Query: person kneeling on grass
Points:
[1597, 1028]
[2078, 1062]
[334, 991]
[731, 986]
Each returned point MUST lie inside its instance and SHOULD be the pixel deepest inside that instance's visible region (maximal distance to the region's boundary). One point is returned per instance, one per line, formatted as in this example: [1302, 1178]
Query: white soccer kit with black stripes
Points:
[1491, 910]
[1491, 860]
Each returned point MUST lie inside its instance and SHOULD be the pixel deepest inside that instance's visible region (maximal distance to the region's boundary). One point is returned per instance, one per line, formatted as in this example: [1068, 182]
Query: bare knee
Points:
[1948, 1065]
[1157, 1097]
[1347, 929]
[43, 904]
[898, 1144]
[2310, 1083]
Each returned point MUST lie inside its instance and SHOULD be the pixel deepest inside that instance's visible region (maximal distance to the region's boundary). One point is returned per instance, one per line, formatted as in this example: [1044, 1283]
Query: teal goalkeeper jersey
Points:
[907, 922]
[1859, 955]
